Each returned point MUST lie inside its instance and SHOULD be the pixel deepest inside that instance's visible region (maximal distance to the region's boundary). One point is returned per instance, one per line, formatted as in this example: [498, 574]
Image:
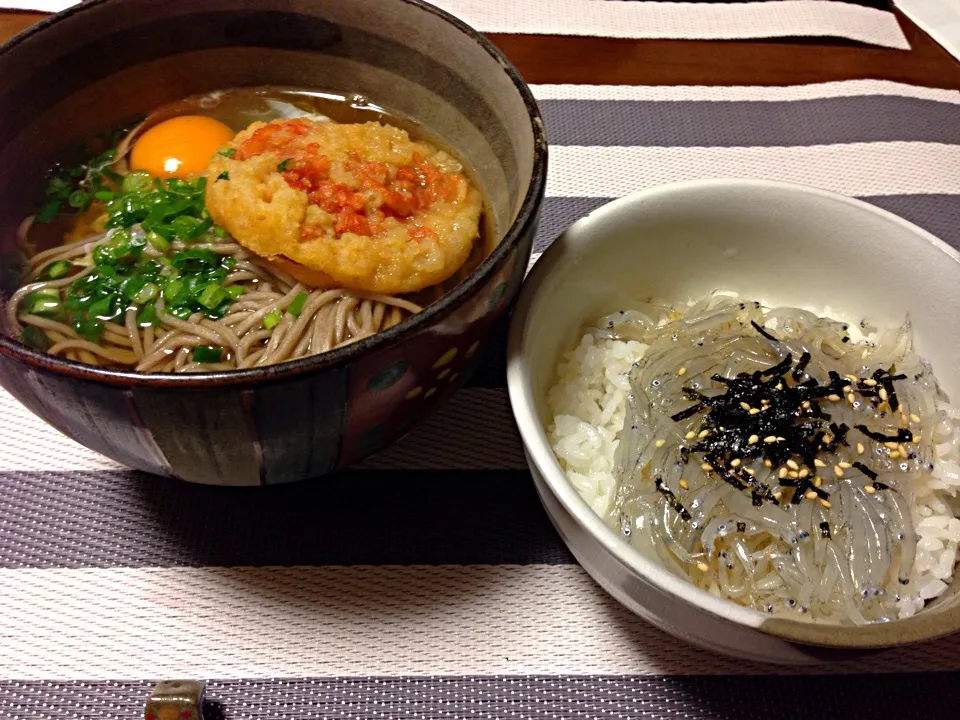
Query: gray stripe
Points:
[359, 517]
[938, 214]
[698, 697]
[870, 118]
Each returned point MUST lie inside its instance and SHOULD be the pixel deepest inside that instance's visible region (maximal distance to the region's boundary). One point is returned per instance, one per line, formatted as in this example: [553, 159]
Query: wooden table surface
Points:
[557, 59]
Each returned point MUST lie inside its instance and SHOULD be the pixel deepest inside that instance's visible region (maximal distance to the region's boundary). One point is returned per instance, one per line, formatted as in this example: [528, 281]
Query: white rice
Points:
[588, 404]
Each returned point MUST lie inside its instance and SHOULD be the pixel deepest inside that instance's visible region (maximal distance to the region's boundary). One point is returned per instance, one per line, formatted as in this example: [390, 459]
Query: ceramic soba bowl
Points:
[781, 244]
[91, 67]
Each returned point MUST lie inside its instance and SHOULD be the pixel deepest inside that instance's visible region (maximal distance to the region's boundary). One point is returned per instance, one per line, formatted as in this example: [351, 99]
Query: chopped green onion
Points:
[148, 316]
[104, 309]
[137, 181]
[104, 195]
[182, 312]
[223, 176]
[55, 270]
[195, 260]
[212, 295]
[35, 338]
[45, 303]
[229, 152]
[271, 319]
[175, 292]
[234, 291]
[284, 164]
[158, 242]
[78, 199]
[207, 354]
[147, 293]
[296, 305]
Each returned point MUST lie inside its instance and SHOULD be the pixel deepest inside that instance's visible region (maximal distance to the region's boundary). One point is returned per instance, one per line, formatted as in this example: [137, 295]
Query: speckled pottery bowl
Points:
[97, 64]
[752, 237]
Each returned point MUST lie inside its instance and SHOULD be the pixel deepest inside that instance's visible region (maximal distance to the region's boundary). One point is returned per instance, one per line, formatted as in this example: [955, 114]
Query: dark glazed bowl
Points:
[94, 66]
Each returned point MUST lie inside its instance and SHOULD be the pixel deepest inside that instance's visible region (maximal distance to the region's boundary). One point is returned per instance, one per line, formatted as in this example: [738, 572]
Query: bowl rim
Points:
[539, 452]
[522, 225]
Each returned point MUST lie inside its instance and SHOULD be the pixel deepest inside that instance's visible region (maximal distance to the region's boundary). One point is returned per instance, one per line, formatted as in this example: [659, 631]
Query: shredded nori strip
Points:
[865, 470]
[790, 416]
[741, 526]
[880, 486]
[801, 366]
[780, 368]
[688, 413]
[672, 499]
[763, 332]
[825, 529]
[903, 435]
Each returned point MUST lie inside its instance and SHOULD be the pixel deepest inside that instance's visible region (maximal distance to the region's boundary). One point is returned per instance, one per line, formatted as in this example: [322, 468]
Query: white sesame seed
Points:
[819, 463]
[683, 483]
[825, 503]
[706, 467]
[750, 472]
[754, 411]
[690, 435]
[803, 472]
[844, 464]
[851, 398]
[767, 463]
[792, 464]
[780, 439]
[891, 446]
[882, 392]
[702, 566]
[870, 382]
[770, 439]
[682, 371]
[827, 439]
[860, 449]
[745, 406]
[833, 397]
[703, 434]
[894, 455]
[817, 481]
[806, 405]
[752, 439]
[782, 473]
[735, 462]
[838, 471]
[869, 489]
[851, 378]
[914, 417]
[778, 494]
[847, 388]
[660, 443]
[779, 386]
[809, 494]
[793, 474]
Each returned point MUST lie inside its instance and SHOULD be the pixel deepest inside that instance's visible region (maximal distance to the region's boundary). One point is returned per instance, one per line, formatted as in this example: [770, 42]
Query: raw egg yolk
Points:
[180, 147]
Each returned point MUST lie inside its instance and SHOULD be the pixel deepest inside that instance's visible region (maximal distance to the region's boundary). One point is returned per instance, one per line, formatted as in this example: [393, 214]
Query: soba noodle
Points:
[328, 319]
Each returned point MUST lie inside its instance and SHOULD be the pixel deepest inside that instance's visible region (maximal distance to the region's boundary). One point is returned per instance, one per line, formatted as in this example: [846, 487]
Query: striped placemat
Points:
[866, 21]
[428, 583]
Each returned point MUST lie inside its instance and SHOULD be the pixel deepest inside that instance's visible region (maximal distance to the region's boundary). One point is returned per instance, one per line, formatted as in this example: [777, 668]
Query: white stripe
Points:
[130, 624]
[882, 168]
[762, 93]
[608, 18]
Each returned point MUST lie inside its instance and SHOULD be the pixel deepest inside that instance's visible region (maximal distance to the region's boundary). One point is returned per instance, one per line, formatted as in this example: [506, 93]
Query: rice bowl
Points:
[683, 242]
